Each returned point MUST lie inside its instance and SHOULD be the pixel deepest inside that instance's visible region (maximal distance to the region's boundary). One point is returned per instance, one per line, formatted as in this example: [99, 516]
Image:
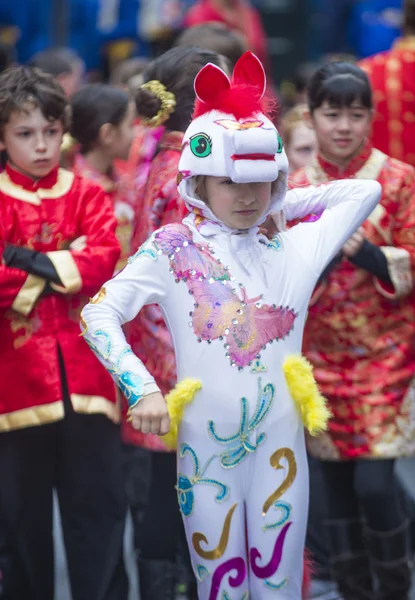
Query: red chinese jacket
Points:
[392, 75]
[360, 332]
[46, 215]
[158, 203]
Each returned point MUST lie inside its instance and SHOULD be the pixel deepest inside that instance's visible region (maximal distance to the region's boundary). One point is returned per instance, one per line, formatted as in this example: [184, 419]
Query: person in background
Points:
[164, 101]
[360, 338]
[102, 125]
[64, 64]
[59, 413]
[299, 138]
[238, 15]
[125, 71]
[392, 75]
[216, 37]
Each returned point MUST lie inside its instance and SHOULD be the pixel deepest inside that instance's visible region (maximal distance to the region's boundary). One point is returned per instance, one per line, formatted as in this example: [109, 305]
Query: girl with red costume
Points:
[58, 407]
[360, 337]
[102, 124]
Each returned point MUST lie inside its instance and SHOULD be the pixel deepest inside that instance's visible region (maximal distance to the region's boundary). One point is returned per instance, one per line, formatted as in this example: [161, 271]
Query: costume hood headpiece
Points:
[231, 134]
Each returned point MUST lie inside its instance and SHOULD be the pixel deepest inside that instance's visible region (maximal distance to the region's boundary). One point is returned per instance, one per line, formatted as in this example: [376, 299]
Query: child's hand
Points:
[78, 244]
[354, 244]
[151, 415]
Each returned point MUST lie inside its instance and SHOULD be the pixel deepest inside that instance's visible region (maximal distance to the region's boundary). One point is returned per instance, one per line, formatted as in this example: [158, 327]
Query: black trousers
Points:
[81, 457]
[367, 489]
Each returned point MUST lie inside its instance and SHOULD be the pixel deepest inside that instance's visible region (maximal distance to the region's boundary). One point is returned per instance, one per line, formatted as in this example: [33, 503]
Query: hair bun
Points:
[147, 103]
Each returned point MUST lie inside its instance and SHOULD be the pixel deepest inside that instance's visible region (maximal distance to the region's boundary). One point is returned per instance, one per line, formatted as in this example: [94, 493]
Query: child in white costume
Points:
[235, 304]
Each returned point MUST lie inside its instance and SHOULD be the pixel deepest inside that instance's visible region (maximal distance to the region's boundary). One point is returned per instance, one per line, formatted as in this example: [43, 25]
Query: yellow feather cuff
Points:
[305, 393]
[182, 394]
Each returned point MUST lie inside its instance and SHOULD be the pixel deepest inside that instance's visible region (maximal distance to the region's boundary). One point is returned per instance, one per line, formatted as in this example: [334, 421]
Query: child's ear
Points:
[106, 134]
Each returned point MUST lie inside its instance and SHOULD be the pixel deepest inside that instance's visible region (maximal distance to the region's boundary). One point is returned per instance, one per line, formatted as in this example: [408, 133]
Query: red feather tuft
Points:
[241, 101]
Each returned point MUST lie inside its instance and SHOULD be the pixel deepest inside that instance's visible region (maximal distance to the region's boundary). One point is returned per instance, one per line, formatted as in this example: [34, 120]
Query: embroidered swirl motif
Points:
[129, 383]
[272, 566]
[288, 481]
[99, 297]
[201, 573]
[286, 510]
[237, 564]
[149, 248]
[239, 443]
[186, 484]
[275, 243]
[220, 550]
[225, 596]
[245, 324]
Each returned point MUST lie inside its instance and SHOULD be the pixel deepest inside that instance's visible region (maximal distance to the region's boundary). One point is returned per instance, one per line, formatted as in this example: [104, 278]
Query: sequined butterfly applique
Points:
[246, 325]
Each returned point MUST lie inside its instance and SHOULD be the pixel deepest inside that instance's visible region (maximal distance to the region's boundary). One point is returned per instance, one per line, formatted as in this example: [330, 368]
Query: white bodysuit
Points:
[235, 304]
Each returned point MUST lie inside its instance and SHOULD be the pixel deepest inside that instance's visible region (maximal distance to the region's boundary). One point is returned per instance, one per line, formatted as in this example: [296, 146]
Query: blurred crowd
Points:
[347, 111]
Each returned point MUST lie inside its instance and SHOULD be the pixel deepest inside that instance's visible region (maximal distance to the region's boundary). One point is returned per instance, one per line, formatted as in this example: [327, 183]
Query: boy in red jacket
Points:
[58, 409]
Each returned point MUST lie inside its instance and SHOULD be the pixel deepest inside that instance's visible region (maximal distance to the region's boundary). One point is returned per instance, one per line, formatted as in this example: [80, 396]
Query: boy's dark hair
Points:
[215, 37]
[93, 106]
[55, 61]
[23, 86]
[340, 84]
[409, 17]
[176, 69]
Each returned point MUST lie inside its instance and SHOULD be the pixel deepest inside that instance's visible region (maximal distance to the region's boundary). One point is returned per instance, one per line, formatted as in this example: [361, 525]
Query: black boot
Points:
[349, 559]
[157, 579]
[391, 561]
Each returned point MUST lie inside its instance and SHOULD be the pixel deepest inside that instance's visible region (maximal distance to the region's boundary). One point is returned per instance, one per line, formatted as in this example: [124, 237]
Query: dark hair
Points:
[409, 17]
[215, 37]
[340, 84]
[127, 69]
[55, 61]
[20, 86]
[176, 69]
[93, 106]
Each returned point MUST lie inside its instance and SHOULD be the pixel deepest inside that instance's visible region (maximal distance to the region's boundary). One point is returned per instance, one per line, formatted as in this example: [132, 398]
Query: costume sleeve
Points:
[119, 301]
[341, 207]
[400, 255]
[85, 270]
[30, 261]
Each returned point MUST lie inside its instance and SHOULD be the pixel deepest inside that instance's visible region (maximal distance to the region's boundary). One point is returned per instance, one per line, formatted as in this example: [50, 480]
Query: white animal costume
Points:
[235, 304]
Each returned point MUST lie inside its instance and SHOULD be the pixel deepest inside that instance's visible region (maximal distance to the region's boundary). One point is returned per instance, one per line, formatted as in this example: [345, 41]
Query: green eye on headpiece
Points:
[280, 145]
[200, 145]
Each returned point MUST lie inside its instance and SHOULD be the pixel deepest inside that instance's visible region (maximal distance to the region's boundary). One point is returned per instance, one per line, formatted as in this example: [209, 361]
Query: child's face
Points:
[32, 142]
[123, 135]
[237, 205]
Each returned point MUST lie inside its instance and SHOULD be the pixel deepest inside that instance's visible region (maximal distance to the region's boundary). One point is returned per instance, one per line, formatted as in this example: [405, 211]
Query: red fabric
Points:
[119, 186]
[29, 369]
[392, 75]
[158, 204]
[243, 18]
[362, 344]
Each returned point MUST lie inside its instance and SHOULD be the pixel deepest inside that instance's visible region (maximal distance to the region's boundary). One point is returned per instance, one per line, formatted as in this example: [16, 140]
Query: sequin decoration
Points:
[234, 564]
[275, 243]
[149, 248]
[186, 484]
[285, 509]
[222, 310]
[258, 367]
[240, 444]
[220, 549]
[201, 573]
[288, 454]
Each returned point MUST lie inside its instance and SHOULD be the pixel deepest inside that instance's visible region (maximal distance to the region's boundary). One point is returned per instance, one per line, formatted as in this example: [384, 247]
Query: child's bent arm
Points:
[119, 301]
[342, 207]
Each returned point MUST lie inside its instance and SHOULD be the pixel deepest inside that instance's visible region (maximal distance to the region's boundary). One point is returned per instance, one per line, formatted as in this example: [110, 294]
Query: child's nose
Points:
[40, 143]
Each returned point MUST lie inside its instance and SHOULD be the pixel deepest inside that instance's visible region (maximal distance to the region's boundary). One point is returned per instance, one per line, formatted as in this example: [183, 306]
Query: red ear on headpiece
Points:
[249, 71]
[209, 82]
